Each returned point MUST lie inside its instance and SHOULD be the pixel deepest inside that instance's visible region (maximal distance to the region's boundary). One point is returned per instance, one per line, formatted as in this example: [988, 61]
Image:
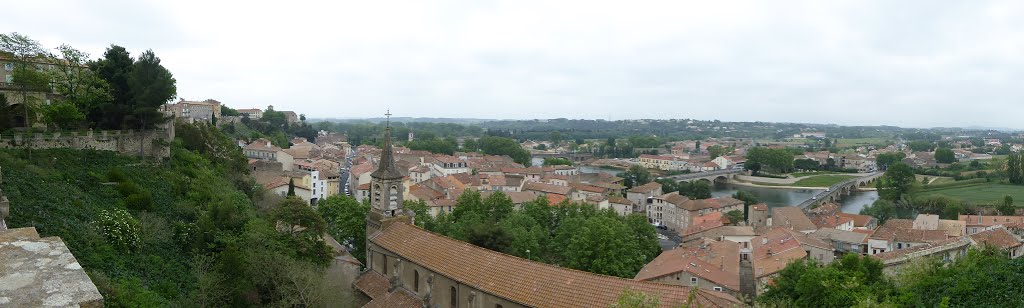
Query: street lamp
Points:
[528, 254]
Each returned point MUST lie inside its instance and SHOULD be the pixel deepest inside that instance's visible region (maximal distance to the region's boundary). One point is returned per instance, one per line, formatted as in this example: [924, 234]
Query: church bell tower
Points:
[386, 188]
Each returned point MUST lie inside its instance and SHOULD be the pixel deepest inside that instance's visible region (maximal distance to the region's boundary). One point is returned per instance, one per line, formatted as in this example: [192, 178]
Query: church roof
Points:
[523, 281]
[386, 169]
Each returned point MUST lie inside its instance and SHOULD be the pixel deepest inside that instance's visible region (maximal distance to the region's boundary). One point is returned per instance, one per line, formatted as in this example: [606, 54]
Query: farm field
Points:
[984, 193]
[862, 141]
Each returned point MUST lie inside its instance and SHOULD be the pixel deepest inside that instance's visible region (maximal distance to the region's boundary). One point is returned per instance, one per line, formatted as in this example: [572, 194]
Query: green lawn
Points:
[800, 174]
[985, 193]
[823, 180]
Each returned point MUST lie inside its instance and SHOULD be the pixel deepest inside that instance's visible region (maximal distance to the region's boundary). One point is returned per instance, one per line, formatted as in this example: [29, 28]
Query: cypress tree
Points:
[291, 187]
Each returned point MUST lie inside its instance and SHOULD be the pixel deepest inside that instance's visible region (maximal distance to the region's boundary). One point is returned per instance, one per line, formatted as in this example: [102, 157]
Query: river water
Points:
[771, 196]
[786, 197]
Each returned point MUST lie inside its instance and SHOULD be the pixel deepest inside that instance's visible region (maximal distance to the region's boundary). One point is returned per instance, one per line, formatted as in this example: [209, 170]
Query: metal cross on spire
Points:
[388, 117]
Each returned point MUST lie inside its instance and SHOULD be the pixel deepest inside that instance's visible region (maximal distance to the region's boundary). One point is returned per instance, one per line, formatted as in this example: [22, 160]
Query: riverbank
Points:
[749, 184]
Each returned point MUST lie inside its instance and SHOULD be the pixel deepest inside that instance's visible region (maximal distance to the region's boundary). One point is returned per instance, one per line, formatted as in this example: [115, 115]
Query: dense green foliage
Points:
[694, 190]
[843, 283]
[1015, 168]
[982, 278]
[434, 145]
[775, 160]
[182, 232]
[636, 175]
[571, 235]
[505, 146]
[114, 92]
[557, 161]
[346, 222]
[884, 160]
[945, 156]
[897, 181]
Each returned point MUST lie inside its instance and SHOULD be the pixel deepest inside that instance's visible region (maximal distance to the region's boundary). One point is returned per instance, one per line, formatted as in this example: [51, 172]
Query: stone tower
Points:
[386, 191]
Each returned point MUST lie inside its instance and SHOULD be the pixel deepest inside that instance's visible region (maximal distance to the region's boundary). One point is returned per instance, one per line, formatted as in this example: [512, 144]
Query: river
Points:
[771, 196]
[786, 197]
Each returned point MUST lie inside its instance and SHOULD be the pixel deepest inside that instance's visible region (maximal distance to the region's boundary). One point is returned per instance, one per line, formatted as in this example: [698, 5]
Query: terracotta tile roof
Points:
[713, 203]
[701, 227]
[901, 230]
[554, 199]
[953, 228]
[547, 188]
[619, 200]
[364, 186]
[973, 220]
[645, 188]
[522, 281]
[396, 299]
[587, 188]
[371, 283]
[773, 250]
[952, 242]
[717, 262]
[829, 221]
[829, 234]
[859, 221]
[792, 218]
[997, 237]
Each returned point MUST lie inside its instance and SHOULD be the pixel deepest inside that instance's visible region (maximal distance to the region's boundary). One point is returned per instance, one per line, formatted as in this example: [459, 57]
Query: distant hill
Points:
[406, 120]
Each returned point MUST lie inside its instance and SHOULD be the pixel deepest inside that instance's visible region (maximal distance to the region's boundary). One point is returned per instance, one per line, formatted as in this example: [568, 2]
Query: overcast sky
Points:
[906, 63]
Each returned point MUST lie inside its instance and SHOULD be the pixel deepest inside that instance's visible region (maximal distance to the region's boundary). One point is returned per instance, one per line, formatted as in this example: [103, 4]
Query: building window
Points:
[384, 269]
[455, 298]
[719, 289]
[693, 280]
[416, 281]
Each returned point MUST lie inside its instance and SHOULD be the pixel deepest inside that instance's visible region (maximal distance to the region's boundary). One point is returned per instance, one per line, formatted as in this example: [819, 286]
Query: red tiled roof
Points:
[998, 237]
[717, 262]
[522, 281]
[645, 188]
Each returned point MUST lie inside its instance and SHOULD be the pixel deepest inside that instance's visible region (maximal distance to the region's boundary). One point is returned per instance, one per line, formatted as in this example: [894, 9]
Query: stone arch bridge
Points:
[710, 176]
[573, 157]
[837, 191]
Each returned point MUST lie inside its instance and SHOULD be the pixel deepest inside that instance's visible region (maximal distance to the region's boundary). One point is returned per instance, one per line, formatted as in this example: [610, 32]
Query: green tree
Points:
[346, 222]
[114, 69]
[805, 283]
[596, 245]
[735, 217]
[887, 159]
[636, 299]
[921, 146]
[897, 181]
[1015, 168]
[1006, 207]
[699, 190]
[636, 175]
[505, 146]
[304, 226]
[291, 187]
[228, 111]
[555, 161]
[28, 76]
[63, 114]
[717, 150]
[152, 85]
[945, 156]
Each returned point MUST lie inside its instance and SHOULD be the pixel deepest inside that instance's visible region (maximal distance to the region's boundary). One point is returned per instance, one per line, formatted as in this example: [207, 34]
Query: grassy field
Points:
[863, 141]
[802, 174]
[985, 193]
[822, 180]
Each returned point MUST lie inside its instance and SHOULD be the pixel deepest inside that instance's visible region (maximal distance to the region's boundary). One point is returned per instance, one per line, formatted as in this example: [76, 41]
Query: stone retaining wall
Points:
[149, 143]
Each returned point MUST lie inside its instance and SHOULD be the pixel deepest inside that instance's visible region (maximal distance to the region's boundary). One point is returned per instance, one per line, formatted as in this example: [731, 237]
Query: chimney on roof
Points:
[769, 251]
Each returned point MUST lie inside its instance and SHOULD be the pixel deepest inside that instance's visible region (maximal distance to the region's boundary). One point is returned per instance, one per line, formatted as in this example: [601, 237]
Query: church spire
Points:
[386, 169]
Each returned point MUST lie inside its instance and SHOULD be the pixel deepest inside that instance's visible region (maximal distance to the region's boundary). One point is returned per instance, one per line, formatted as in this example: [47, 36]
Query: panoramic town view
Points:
[512, 154]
